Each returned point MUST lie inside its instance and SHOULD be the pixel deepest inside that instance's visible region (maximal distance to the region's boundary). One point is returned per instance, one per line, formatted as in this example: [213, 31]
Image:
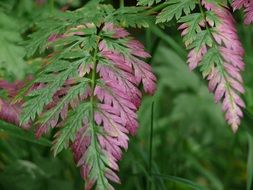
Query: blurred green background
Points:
[192, 146]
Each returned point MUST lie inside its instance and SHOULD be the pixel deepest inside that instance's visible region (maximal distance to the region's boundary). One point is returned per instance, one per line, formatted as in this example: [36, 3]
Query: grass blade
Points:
[151, 147]
[250, 162]
[180, 180]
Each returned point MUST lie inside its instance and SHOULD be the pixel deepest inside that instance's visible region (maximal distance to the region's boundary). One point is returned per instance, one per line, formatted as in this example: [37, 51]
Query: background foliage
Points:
[192, 147]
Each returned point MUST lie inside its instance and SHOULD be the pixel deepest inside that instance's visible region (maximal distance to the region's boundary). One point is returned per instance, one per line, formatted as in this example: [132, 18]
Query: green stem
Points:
[51, 6]
[94, 141]
[93, 77]
[151, 147]
[121, 3]
[157, 8]
[153, 50]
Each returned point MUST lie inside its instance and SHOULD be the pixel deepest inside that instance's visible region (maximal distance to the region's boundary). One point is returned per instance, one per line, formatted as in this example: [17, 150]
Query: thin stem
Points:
[94, 141]
[93, 77]
[92, 116]
[51, 5]
[121, 3]
[157, 8]
[153, 50]
[151, 147]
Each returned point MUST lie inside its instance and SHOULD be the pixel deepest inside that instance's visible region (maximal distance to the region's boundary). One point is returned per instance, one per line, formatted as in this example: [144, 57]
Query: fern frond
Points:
[214, 47]
[44, 94]
[90, 90]
[248, 9]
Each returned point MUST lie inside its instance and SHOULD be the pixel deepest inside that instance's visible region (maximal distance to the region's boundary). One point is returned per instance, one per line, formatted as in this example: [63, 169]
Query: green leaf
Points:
[72, 94]
[200, 39]
[192, 21]
[175, 8]
[41, 97]
[39, 39]
[210, 59]
[72, 125]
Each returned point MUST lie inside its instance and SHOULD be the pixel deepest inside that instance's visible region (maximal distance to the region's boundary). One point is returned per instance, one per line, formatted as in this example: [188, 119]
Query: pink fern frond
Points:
[247, 5]
[238, 4]
[92, 96]
[223, 53]
[249, 13]
[120, 73]
[227, 76]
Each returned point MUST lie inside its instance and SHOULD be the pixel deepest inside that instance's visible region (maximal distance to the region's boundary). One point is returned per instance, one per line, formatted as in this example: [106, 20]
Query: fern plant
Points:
[211, 36]
[209, 32]
[93, 76]
[89, 89]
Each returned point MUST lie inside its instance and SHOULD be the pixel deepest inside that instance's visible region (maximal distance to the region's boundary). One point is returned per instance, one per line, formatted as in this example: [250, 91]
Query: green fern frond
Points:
[175, 9]
[132, 17]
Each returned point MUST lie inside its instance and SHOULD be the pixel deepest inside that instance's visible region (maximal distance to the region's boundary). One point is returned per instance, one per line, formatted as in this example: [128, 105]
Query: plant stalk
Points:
[121, 3]
[151, 147]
